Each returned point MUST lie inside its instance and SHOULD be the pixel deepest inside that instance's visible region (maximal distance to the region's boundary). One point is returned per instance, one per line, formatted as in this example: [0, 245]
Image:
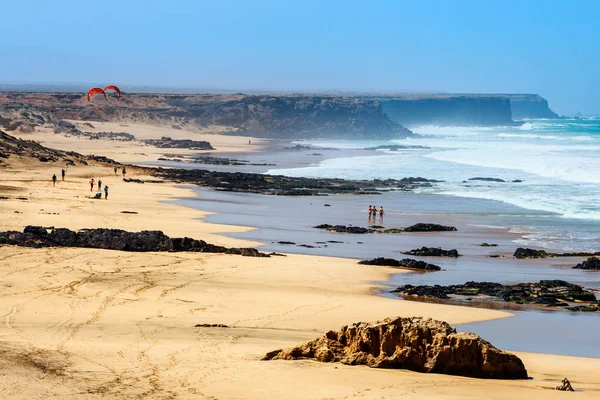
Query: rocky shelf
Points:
[550, 293]
[420, 227]
[432, 252]
[592, 264]
[114, 239]
[416, 344]
[522, 253]
[166, 142]
[284, 185]
[404, 263]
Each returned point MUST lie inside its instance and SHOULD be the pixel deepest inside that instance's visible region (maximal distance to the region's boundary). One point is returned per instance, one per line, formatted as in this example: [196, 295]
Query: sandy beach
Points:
[85, 323]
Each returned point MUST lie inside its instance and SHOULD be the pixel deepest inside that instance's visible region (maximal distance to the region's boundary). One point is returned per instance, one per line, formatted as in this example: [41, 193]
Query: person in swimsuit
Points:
[374, 213]
[370, 211]
[381, 214]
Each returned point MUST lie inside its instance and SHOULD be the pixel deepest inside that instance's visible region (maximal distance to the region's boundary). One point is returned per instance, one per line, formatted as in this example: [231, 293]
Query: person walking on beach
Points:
[99, 184]
[115, 168]
[381, 214]
[105, 192]
[124, 172]
[63, 172]
[54, 180]
[92, 184]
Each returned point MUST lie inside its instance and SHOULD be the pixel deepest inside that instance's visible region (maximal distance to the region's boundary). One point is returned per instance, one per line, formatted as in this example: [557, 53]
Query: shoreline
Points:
[121, 324]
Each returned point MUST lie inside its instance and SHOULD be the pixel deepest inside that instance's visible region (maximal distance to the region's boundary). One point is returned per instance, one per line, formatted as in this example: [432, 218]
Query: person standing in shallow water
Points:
[381, 214]
[374, 213]
[105, 192]
[370, 211]
[54, 180]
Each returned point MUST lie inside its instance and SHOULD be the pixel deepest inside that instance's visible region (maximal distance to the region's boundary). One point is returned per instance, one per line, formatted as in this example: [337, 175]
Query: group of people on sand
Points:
[99, 194]
[373, 213]
[54, 178]
[123, 170]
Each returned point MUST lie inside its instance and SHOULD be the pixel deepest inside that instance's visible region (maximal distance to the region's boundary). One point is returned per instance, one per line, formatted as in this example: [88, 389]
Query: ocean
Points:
[550, 169]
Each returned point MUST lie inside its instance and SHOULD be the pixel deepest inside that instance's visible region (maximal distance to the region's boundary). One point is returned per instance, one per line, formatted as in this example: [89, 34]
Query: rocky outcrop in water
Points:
[592, 263]
[416, 344]
[432, 252]
[478, 178]
[421, 227]
[114, 239]
[345, 229]
[555, 293]
[523, 253]
[284, 185]
[404, 263]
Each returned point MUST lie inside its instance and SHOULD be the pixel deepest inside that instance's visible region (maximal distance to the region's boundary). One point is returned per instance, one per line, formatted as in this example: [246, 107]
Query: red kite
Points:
[116, 89]
[95, 91]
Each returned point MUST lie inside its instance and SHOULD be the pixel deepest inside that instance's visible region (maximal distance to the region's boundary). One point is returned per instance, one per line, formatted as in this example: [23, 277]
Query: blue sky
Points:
[530, 46]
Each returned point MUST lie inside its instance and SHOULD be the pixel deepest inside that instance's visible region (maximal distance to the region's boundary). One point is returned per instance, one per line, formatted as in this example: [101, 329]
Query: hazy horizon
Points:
[548, 48]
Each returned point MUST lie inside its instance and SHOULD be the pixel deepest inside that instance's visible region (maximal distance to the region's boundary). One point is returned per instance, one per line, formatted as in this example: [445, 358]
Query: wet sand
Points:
[291, 219]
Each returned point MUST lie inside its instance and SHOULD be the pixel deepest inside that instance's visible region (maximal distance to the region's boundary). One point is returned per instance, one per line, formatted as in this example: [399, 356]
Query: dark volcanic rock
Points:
[531, 253]
[166, 142]
[284, 185]
[433, 252]
[114, 239]
[546, 292]
[416, 344]
[344, 229]
[406, 263]
[592, 263]
[420, 227]
[487, 179]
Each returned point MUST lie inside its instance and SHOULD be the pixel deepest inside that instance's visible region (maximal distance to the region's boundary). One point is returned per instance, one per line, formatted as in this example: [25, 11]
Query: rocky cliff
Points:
[465, 109]
[284, 116]
[530, 106]
[454, 110]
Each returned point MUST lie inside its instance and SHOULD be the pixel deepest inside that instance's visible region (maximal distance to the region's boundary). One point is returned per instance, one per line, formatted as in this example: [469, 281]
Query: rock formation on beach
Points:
[114, 239]
[404, 263]
[432, 252]
[592, 263]
[416, 344]
[421, 227]
[552, 293]
[522, 253]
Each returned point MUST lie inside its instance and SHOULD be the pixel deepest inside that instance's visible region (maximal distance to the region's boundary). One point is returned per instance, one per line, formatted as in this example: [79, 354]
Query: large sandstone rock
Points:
[417, 344]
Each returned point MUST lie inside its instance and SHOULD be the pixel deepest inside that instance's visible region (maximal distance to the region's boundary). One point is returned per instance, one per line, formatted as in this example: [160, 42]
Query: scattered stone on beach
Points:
[592, 263]
[211, 326]
[517, 181]
[405, 263]
[432, 252]
[552, 293]
[523, 253]
[166, 142]
[478, 178]
[485, 244]
[114, 239]
[334, 241]
[129, 212]
[565, 386]
[344, 229]
[326, 205]
[421, 227]
[416, 344]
